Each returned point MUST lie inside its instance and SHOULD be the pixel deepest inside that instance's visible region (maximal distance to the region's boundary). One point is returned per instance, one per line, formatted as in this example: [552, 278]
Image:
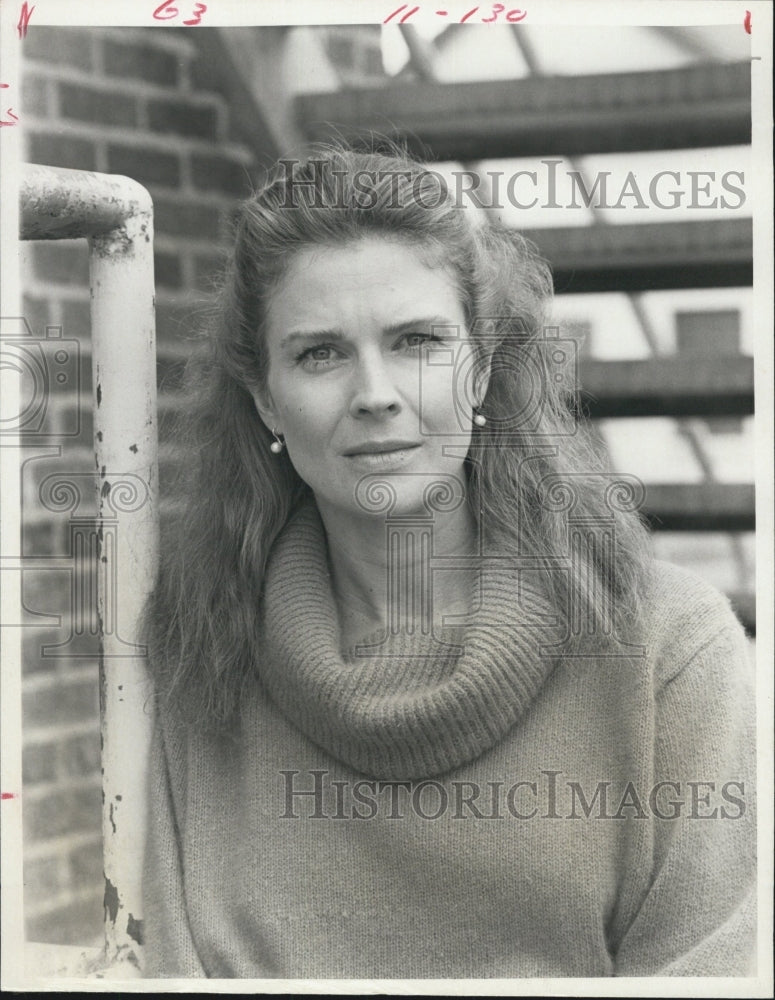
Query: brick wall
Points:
[140, 103]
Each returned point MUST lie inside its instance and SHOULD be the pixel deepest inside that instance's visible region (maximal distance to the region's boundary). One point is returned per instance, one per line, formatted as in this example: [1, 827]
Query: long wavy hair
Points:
[532, 471]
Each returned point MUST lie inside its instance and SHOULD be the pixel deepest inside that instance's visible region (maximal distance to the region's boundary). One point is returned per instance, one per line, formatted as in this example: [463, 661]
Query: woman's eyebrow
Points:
[304, 335]
[425, 322]
[335, 335]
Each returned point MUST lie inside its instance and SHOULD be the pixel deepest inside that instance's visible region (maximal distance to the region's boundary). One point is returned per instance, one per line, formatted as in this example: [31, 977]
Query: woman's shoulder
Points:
[183, 740]
[685, 618]
[683, 592]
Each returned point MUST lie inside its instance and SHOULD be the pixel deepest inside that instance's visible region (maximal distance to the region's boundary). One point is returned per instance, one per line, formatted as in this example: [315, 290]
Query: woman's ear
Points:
[482, 378]
[262, 399]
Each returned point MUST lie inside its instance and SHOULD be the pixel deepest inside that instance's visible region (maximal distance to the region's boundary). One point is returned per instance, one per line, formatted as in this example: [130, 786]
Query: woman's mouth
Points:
[381, 454]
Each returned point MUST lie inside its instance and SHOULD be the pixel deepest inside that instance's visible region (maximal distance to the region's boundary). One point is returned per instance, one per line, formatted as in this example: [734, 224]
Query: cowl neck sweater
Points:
[268, 857]
[412, 705]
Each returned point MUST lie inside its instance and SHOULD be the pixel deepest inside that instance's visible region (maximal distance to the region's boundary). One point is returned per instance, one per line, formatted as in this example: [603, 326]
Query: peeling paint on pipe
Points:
[115, 214]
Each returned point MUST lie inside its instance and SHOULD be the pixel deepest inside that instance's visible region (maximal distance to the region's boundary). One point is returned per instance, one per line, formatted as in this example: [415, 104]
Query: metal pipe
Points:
[115, 214]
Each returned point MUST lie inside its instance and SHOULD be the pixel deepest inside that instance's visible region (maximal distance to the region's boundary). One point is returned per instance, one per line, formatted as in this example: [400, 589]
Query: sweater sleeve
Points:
[698, 916]
[170, 950]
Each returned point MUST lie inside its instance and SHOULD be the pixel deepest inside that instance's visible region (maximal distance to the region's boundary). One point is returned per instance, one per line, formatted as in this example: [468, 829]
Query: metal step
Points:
[709, 253]
[700, 506]
[695, 106]
[675, 386]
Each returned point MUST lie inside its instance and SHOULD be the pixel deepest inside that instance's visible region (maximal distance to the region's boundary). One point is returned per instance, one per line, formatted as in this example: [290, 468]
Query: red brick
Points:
[45, 591]
[37, 314]
[64, 46]
[148, 166]
[169, 471]
[74, 416]
[61, 812]
[66, 416]
[141, 62]
[65, 261]
[183, 118]
[59, 150]
[169, 375]
[38, 763]
[36, 96]
[62, 703]
[231, 221]
[186, 218]
[76, 318]
[65, 367]
[207, 271]
[167, 270]
[221, 173]
[172, 324]
[65, 646]
[43, 538]
[80, 755]
[42, 879]
[49, 368]
[78, 923]
[74, 465]
[90, 105]
[85, 865]
[33, 639]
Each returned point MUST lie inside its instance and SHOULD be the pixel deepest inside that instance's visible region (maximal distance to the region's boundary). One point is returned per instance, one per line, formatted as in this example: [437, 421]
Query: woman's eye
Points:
[320, 354]
[416, 340]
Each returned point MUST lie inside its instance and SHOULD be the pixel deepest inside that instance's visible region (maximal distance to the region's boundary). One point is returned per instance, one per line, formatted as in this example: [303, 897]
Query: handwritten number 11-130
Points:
[512, 16]
[167, 12]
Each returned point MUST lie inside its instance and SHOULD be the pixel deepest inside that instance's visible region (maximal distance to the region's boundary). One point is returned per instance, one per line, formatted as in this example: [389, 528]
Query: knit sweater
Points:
[471, 804]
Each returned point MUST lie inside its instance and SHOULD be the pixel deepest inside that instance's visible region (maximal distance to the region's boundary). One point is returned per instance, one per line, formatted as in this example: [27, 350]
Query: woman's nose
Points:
[375, 393]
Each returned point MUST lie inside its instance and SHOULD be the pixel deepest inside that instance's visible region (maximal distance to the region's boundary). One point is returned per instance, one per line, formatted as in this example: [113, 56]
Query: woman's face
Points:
[364, 343]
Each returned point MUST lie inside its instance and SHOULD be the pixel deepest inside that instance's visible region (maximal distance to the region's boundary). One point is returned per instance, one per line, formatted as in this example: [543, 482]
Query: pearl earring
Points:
[479, 419]
[278, 444]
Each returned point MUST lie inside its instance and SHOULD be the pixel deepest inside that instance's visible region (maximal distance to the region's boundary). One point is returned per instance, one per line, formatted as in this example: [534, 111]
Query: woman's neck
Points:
[388, 574]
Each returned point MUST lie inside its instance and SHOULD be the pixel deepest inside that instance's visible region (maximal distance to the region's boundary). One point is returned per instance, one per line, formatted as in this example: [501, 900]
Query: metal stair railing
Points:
[115, 215]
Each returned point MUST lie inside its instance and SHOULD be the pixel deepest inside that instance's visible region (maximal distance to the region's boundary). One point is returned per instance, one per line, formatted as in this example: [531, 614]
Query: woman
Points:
[425, 706]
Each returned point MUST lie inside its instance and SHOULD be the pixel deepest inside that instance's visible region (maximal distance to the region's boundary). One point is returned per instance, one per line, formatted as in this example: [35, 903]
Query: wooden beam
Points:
[676, 386]
[700, 506]
[710, 253]
[696, 106]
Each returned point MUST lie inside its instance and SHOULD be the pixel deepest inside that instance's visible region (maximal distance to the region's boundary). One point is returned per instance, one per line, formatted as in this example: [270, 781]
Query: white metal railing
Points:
[115, 215]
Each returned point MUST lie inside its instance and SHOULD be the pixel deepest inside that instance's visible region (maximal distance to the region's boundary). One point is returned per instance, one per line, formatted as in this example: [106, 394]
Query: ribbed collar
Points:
[419, 705]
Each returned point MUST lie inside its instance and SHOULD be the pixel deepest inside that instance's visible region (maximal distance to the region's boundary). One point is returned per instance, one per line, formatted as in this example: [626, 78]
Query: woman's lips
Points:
[381, 455]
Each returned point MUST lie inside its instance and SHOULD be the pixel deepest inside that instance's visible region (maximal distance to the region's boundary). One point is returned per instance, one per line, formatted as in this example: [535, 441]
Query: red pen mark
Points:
[168, 12]
[9, 112]
[24, 20]
[395, 13]
[165, 11]
[747, 21]
[496, 9]
[409, 13]
[7, 795]
[196, 17]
